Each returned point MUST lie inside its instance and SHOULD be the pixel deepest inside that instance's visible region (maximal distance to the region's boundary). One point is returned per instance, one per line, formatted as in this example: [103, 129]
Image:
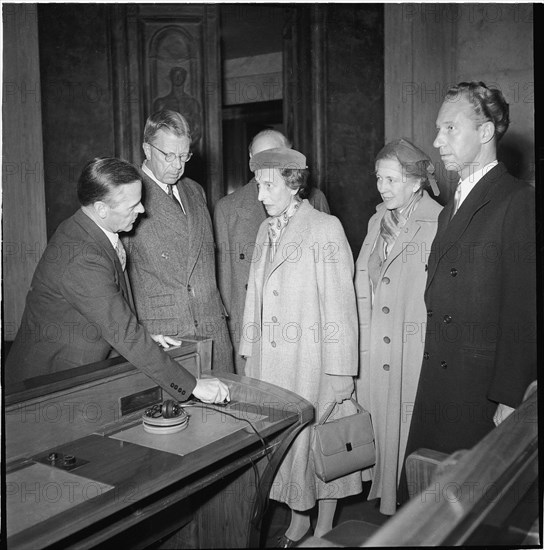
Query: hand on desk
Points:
[502, 413]
[211, 390]
[165, 341]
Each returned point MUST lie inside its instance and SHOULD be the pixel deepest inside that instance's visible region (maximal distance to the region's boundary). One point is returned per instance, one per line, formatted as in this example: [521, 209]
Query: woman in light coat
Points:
[300, 326]
[391, 272]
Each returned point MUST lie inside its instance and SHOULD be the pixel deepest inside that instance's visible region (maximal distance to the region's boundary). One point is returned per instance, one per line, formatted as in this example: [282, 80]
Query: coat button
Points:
[453, 272]
[386, 367]
[273, 344]
[171, 384]
[429, 313]
[447, 319]
[182, 392]
[385, 309]
[274, 319]
[426, 355]
[443, 364]
[386, 280]
[275, 292]
[386, 339]
[242, 256]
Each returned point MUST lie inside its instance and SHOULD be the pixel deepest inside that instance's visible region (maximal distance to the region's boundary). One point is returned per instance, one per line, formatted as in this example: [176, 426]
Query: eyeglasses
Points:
[171, 157]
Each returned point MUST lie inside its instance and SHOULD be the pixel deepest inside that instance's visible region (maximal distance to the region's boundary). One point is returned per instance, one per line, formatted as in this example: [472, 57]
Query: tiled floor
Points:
[356, 507]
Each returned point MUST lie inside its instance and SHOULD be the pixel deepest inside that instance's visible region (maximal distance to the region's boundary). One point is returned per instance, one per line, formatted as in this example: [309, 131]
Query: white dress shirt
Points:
[162, 185]
[468, 184]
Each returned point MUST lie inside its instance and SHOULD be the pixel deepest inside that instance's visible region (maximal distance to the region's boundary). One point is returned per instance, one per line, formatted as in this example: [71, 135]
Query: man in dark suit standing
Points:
[171, 250]
[480, 347]
[237, 218]
[79, 305]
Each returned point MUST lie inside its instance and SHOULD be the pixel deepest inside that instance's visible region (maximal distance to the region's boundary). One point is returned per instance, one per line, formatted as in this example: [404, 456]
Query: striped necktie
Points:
[121, 253]
[170, 191]
[456, 199]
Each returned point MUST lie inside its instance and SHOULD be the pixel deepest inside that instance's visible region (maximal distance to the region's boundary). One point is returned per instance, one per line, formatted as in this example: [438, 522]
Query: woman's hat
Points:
[279, 157]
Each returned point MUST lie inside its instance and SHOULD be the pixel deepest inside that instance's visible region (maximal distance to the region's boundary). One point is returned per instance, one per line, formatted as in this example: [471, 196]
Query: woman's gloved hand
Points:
[342, 386]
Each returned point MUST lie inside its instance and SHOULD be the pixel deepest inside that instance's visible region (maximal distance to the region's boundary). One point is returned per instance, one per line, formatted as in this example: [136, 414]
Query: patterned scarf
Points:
[277, 224]
[394, 220]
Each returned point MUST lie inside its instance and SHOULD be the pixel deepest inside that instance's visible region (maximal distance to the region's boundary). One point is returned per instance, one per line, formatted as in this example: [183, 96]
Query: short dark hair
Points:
[297, 178]
[168, 120]
[101, 175]
[488, 104]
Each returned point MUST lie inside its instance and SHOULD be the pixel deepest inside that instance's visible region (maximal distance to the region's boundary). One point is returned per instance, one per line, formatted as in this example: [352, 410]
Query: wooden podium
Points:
[82, 472]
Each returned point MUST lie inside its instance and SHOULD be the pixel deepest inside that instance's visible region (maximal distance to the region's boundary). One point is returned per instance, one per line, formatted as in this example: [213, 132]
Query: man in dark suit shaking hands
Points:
[480, 346]
[79, 305]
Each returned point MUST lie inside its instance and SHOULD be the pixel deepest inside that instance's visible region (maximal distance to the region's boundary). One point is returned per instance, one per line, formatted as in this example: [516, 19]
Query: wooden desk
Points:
[212, 490]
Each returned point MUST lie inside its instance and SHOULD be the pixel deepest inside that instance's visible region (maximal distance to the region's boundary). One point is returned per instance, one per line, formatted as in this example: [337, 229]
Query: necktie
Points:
[170, 191]
[456, 199]
[121, 253]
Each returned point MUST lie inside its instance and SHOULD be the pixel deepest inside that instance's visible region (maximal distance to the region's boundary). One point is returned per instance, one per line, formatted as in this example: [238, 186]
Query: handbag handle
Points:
[329, 410]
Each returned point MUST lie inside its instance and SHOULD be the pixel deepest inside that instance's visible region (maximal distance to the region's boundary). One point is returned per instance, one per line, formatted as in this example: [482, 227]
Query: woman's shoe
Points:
[285, 542]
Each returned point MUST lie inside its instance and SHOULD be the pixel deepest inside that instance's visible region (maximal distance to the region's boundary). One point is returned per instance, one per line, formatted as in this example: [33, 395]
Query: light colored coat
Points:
[300, 326]
[391, 332]
[171, 263]
[237, 218]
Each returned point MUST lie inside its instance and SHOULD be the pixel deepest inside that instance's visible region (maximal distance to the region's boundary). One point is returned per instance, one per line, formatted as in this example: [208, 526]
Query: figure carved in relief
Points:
[178, 100]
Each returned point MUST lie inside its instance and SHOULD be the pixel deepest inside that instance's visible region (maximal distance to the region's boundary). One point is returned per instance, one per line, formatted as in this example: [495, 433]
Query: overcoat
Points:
[79, 307]
[171, 263]
[237, 218]
[391, 338]
[300, 327]
[480, 296]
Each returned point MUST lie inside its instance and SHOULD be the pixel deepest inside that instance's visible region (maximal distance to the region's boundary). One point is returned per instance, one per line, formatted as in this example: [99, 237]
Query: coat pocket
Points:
[160, 300]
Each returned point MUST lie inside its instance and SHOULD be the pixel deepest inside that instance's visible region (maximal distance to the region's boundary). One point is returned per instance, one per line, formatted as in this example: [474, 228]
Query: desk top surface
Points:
[122, 467]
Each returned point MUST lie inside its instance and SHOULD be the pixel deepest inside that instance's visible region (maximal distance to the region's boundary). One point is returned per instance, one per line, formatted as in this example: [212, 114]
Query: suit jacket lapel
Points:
[400, 243]
[162, 208]
[291, 239]
[372, 235]
[99, 238]
[196, 219]
[408, 233]
[250, 211]
[451, 229]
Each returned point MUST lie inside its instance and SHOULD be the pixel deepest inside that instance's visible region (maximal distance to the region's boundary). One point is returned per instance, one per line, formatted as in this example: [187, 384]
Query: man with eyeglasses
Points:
[171, 250]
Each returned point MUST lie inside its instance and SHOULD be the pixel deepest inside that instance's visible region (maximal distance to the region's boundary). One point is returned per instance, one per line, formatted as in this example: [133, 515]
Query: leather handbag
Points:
[343, 446]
